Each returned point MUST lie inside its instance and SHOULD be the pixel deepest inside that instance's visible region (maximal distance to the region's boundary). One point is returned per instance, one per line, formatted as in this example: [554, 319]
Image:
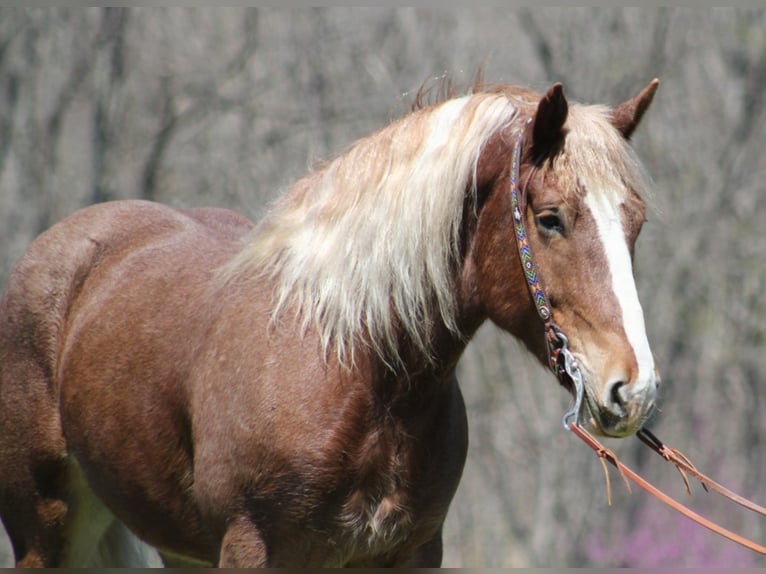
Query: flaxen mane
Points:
[370, 240]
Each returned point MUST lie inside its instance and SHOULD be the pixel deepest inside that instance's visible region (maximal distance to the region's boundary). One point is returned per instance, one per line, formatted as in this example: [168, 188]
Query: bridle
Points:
[567, 371]
[560, 358]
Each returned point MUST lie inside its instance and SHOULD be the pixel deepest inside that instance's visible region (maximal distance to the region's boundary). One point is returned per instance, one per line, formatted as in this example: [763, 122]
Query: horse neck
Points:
[422, 377]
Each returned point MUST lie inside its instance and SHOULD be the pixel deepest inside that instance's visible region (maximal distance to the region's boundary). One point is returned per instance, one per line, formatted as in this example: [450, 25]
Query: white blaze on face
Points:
[610, 230]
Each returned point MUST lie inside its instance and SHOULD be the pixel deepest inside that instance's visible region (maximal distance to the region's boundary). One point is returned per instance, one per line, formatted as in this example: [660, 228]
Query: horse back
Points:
[60, 266]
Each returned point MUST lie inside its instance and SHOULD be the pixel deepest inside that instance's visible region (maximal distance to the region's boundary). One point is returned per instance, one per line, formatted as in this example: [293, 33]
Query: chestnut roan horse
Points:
[284, 394]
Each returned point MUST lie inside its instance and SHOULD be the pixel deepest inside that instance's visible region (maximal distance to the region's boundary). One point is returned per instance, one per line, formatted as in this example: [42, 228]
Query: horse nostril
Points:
[615, 396]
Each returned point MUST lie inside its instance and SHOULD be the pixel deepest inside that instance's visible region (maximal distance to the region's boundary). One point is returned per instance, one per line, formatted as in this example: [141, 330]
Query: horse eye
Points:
[550, 222]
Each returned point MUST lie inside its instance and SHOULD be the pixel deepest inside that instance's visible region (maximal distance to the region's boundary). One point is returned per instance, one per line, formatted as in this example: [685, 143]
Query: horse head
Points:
[584, 208]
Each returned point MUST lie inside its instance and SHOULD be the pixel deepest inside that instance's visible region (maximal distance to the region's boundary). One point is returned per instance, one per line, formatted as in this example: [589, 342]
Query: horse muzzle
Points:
[620, 409]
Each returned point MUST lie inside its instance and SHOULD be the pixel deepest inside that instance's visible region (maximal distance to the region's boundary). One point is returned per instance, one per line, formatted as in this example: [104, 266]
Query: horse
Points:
[284, 393]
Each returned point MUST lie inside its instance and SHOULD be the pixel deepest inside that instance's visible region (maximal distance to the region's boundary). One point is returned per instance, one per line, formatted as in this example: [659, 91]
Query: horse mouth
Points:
[608, 423]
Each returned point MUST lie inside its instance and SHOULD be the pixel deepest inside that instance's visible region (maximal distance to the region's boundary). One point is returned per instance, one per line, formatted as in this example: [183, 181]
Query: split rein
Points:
[564, 366]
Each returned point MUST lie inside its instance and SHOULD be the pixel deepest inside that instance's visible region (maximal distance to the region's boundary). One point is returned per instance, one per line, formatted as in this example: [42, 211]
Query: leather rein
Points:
[567, 371]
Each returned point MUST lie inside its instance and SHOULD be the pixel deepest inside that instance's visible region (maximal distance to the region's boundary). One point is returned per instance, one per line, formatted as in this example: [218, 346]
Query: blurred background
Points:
[227, 107]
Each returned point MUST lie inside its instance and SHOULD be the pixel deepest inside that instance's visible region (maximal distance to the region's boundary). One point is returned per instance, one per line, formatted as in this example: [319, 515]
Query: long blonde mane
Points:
[365, 249]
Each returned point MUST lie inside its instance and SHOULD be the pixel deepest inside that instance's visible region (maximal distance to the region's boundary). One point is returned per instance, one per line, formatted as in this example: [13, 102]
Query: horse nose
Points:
[625, 402]
[620, 397]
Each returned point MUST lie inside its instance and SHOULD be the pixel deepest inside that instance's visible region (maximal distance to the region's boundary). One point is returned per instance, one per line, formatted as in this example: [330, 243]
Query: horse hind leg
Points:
[49, 513]
[71, 529]
[42, 503]
[34, 521]
[33, 510]
[33, 465]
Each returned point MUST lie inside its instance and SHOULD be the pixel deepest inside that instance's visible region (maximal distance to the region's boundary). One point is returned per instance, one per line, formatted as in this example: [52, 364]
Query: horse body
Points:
[127, 386]
[285, 394]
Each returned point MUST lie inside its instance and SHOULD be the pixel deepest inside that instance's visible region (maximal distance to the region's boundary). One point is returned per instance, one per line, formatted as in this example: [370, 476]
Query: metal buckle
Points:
[572, 370]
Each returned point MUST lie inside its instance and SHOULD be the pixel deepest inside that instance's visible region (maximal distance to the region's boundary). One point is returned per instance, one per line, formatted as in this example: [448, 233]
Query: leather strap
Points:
[681, 463]
[684, 465]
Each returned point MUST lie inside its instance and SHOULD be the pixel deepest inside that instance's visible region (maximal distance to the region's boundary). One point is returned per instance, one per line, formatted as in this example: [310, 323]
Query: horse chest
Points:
[365, 482]
[401, 491]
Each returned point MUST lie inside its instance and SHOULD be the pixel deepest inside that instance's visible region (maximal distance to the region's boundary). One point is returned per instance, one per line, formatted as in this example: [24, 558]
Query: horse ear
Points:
[627, 115]
[548, 126]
